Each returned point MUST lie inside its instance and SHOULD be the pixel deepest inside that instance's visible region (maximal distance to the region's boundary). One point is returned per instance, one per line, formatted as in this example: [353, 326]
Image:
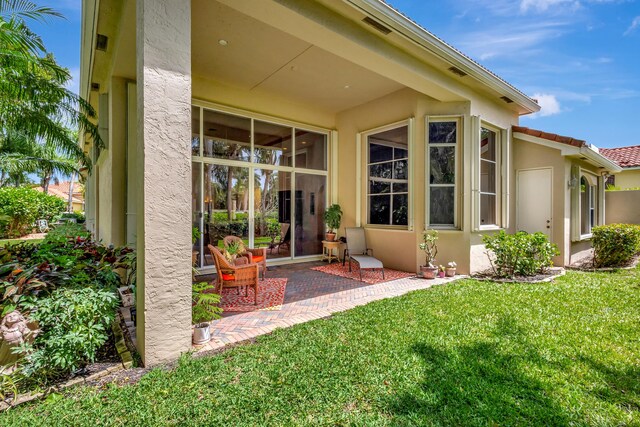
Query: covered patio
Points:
[310, 294]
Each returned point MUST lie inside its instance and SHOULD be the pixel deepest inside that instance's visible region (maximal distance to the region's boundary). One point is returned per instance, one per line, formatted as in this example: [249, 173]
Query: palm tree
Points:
[34, 102]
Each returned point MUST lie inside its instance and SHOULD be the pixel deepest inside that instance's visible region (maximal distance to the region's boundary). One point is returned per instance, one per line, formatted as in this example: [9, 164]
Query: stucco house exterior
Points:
[628, 158]
[247, 117]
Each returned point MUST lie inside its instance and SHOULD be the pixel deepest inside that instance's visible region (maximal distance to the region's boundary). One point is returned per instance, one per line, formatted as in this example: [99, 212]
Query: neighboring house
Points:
[61, 190]
[232, 114]
[628, 158]
[624, 206]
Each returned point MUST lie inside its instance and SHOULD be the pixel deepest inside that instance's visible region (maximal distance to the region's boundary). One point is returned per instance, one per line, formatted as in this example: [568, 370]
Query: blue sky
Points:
[580, 59]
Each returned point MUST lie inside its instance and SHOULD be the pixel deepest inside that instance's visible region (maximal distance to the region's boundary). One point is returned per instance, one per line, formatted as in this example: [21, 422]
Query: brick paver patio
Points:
[309, 295]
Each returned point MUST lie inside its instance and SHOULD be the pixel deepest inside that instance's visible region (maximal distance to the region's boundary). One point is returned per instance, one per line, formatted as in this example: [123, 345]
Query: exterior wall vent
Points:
[457, 71]
[506, 99]
[101, 42]
[95, 86]
[375, 24]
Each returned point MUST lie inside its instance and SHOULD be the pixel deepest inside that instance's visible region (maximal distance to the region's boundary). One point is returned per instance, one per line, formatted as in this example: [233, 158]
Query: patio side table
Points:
[328, 249]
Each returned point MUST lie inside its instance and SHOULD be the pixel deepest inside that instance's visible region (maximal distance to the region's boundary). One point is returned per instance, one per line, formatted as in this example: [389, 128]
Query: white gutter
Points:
[414, 32]
[599, 159]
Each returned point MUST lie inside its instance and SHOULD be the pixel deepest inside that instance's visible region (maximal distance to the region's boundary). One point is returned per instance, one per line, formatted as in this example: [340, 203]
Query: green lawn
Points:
[470, 353]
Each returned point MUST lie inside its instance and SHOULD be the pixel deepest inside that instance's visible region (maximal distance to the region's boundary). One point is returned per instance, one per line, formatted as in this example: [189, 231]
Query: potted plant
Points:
[430, 248]
[332, 218]
[203, 310]
[451, 269]
[195, 235]
[441, 271]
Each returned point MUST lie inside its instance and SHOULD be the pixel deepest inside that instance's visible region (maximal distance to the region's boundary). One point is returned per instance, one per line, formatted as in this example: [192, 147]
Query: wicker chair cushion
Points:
[257, 258]
[228, 277]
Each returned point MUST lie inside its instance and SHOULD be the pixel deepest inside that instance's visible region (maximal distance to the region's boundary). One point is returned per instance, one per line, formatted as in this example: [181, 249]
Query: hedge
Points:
[23, 206]
[614, 245]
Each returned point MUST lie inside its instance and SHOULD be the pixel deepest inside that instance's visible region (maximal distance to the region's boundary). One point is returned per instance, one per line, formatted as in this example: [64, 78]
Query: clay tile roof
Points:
[626, 157]
[551, 136]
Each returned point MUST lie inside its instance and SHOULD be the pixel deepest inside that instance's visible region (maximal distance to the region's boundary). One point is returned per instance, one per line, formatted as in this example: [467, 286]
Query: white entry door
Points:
[534, 196]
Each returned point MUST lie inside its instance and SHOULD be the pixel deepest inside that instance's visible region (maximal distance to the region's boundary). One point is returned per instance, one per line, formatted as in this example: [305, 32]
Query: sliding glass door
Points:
[263, 181]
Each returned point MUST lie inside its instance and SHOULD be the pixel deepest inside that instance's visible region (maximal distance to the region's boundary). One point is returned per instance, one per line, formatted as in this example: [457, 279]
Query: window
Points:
[489, 177]
[388, 177]
[442, 141]
[588, 195]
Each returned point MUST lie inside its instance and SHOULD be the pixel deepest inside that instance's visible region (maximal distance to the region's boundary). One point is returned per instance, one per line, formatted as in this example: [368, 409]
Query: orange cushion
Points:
[257, 258]
[228, 277]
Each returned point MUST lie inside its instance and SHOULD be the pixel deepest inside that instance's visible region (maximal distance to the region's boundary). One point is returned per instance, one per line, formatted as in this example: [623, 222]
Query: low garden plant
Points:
[615, 245]
[519, 254]
[67, 284]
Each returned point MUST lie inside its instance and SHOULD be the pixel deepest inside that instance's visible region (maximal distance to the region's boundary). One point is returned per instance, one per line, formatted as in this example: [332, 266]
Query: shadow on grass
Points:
[487, 382]
[618, 386]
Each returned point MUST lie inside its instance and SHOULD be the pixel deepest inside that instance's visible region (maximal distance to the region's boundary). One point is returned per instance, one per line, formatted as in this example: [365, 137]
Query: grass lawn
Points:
[4, 242]
[470, 354]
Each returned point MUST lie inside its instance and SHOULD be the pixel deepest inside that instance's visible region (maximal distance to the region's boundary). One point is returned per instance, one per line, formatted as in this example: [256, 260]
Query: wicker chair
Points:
[255, 256]
[234, 276]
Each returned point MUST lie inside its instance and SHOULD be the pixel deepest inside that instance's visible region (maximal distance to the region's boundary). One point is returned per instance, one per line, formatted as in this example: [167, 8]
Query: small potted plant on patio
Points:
[332, 218]
[441, 272]
[203, 310]
[430, 248]
[451, 269]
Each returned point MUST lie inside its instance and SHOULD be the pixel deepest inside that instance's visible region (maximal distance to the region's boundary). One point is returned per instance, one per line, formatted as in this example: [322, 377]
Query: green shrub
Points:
[615, 244]
[74, 324]
[23, 206]
[519, 254]
[205, 307]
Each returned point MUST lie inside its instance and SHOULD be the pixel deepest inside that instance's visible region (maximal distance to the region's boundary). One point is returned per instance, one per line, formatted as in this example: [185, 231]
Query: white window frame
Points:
[593, 200]
[500, 163]
[458, 119]
[363, 187]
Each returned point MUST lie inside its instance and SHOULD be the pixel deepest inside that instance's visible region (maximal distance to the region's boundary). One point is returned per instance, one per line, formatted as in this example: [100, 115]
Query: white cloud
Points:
[544, 5]
[549, 104]
[635, 24]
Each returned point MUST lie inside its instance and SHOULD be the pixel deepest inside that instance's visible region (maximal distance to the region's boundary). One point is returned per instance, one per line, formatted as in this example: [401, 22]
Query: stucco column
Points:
[164, 179]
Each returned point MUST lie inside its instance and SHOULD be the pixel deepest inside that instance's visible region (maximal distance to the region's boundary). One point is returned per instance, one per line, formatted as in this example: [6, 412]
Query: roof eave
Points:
[428, 41]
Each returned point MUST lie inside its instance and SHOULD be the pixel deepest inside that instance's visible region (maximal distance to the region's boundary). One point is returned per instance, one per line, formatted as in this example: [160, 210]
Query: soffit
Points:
[259, 57]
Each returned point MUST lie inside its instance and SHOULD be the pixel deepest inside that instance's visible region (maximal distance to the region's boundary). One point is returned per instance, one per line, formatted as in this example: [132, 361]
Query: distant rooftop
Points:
[626, 157]
[551, 136]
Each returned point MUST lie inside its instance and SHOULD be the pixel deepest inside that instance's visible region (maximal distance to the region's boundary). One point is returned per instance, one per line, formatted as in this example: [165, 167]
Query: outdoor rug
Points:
[368, 276]
[270, 296]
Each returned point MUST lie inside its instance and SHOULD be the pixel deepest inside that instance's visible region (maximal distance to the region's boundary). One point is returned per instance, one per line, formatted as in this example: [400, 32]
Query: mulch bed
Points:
[548, 276]
[586, 264]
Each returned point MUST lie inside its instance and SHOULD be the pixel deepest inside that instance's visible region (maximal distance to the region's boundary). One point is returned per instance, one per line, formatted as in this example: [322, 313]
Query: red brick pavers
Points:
[310, 295]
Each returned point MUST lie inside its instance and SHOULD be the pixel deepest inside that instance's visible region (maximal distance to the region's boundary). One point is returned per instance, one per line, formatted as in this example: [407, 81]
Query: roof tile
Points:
[626, 157]
[551, 136]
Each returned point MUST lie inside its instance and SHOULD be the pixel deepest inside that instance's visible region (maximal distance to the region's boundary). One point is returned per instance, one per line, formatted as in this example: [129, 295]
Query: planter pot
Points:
[127, 296]
[441, 274]
[428, 272]
[451, 271]
[201, 333]
[330, 237]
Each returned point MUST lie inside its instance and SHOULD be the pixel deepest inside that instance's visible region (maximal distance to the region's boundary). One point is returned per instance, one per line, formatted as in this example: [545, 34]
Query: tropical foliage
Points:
[36, 107]
[68, 284]
[614, 245]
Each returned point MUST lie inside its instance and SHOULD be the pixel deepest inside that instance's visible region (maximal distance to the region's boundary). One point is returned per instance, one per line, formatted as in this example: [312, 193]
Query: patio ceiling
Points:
[261, 58]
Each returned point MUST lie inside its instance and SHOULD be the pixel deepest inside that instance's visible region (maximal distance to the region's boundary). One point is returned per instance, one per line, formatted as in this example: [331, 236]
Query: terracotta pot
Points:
[451, 271]
[330, 237]
[428, 272]
[201, 333]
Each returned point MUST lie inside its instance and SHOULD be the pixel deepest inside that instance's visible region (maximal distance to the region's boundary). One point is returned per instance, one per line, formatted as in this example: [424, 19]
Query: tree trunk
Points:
[45, 183]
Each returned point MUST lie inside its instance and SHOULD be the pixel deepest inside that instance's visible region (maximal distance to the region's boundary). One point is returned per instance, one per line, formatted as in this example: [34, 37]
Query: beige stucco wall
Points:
[623, 207]
[628, 179]
[532, 156]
